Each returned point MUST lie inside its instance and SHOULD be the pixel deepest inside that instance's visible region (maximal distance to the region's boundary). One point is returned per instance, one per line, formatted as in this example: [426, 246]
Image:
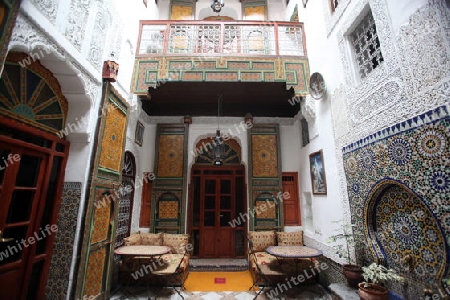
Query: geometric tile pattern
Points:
[113, 138]
[152, 71]
[265, 176]
[95, 272]
[168, 209]
[32, 95]
[171, 155]
[264, 156]
[412, 155]
[100, 227]
[300, 292]
[405, 226]
[265, 211]
[58, 278]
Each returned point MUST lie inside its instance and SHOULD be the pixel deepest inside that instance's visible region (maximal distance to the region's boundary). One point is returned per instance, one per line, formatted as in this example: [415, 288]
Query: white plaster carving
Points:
[48, 8]
[92, 86]
[407, 83]
[26, 35]
[339, 112]
[308, 109]
[388, 92]
[425, 41]
[98, 40]
[75, 29]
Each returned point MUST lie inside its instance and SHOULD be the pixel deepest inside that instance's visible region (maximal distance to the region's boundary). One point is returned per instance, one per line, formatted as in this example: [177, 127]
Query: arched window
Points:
[126, 198]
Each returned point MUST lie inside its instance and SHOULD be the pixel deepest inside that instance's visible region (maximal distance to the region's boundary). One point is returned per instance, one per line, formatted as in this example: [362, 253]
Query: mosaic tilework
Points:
[94, 272]
[171, 153]
[412, 155]
[113, 138]
[101, 219]
[265, 211]
[403, 224]
[304, 292]
[264, 158]
[294, 71]
[36, 98]
[58, 280]
[168, 209]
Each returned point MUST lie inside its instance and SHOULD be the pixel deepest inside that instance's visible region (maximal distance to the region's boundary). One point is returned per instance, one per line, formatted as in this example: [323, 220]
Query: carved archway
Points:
[31, 94]
[204, 155]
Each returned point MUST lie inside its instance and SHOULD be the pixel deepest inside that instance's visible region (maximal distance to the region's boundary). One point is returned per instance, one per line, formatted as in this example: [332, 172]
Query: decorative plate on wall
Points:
[317, 86]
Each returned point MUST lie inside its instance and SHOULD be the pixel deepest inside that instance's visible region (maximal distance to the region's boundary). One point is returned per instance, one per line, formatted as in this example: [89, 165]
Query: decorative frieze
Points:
[48, 8]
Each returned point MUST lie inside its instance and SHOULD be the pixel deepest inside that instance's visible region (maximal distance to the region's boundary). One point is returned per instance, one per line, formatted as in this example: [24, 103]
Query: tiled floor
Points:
[315, 292]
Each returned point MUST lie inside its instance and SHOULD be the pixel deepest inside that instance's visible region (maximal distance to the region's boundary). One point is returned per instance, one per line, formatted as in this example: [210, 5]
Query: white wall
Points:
[276, 10]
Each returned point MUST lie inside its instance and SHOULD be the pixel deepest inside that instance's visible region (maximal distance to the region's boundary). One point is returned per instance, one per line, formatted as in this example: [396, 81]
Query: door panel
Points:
[217, 206]
[20, 194]
[216, 199]
[291, 206]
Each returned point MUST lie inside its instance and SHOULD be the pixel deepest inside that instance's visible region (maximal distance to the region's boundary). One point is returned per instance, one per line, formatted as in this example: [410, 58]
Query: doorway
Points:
[218, 212]
[31, 176]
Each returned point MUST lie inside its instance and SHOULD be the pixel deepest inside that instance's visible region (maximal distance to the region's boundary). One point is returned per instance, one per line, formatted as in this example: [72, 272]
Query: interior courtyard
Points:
[216, 133]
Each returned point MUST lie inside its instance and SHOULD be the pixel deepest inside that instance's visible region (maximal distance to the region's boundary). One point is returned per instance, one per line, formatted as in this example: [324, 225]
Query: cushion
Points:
[262, 239]
[133, 240]
[290, 238]
[176, 242]
[154, 239]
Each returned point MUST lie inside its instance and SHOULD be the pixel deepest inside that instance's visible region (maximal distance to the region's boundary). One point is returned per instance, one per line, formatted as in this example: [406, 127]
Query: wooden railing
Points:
[231, 38]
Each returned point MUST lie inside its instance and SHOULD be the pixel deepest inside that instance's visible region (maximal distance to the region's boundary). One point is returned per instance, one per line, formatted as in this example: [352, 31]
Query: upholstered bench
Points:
[265, 268]
[167, 270]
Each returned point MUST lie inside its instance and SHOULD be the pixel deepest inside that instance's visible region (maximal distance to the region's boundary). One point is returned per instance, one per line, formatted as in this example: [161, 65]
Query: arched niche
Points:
[404, 233]
[233, 153]
[31, 94]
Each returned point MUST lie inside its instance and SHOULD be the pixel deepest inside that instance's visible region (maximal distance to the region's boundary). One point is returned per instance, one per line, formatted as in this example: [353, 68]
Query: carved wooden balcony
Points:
[237, 38]
[211, 51]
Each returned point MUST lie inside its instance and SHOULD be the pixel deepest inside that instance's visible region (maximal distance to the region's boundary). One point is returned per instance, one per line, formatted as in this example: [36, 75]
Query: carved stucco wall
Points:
[84, 24]
[413, 79]
[49, 8]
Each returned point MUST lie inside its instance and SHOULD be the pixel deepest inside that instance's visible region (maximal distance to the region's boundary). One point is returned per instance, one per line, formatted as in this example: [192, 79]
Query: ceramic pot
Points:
[353, 274]
[372, 291]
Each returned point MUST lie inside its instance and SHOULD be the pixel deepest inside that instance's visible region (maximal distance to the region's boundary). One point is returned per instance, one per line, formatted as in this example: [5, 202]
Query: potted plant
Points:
[351, 271]
[375, 277]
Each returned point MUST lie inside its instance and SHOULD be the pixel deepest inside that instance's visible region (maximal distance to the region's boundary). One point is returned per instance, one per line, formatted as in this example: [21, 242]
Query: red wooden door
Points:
[291, 206]
[217, 211]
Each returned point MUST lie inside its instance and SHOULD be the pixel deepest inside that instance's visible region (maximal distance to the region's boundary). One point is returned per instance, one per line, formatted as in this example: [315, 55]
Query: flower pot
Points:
[353, 274]
[372, 291]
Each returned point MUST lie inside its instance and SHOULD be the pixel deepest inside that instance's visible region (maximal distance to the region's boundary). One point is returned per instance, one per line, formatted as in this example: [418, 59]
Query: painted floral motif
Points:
[431, 143]
[352, 165]
[440, 181]
[406, 229]
[367, 159]
[355, 187]
[399, 152]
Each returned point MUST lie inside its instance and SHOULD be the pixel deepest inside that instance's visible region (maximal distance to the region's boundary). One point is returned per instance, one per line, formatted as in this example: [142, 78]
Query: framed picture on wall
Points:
[139, 134]
[317, 170]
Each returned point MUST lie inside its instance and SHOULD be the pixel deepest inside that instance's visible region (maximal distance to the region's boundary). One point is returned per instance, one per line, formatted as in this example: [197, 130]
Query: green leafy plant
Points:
[346, 234]
[379, 274]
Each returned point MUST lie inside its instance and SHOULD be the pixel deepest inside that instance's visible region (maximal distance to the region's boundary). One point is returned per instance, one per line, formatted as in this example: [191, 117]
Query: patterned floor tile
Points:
[315, 292]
